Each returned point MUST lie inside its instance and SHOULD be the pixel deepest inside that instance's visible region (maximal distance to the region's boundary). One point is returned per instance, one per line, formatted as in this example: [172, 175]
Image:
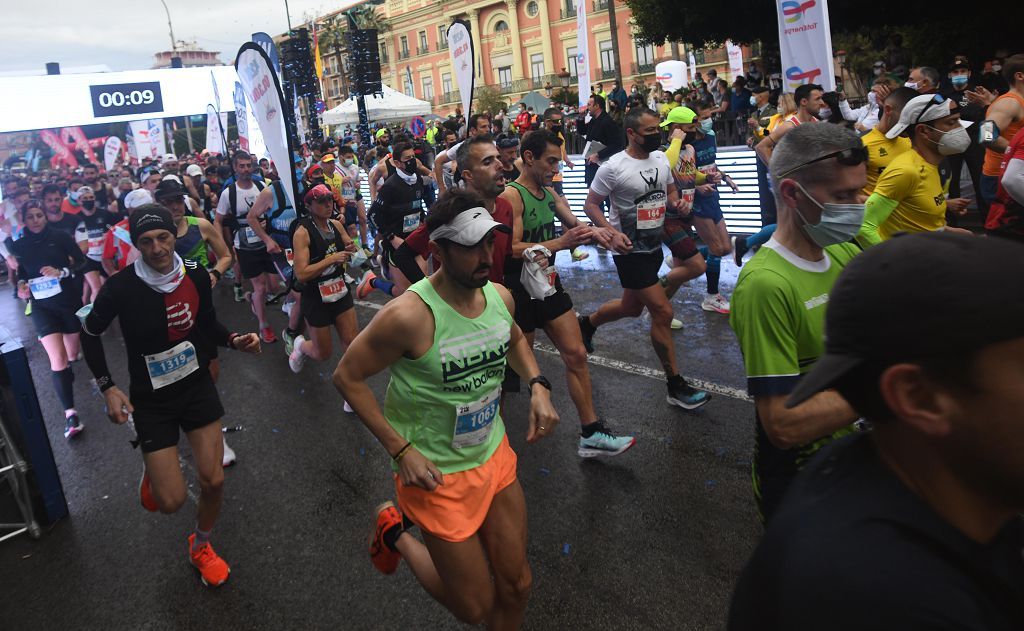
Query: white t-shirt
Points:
[348, 191]
[245, 238]
[638, 191]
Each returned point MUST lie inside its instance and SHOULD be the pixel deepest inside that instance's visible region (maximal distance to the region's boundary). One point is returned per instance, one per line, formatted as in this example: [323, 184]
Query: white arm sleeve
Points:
[1013, 180]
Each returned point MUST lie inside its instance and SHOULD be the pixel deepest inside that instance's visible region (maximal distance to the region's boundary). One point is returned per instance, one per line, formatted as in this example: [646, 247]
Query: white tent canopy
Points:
[392, 106]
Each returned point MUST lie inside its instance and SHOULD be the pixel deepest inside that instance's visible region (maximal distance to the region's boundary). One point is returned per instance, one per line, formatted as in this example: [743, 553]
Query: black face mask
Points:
[556, 129]
[689, 138]
[651, 142]
[89, 205]
[410, 166]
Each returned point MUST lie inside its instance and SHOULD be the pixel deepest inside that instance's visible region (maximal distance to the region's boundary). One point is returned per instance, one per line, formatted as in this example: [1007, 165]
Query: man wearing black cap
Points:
[168, 326]
[960, 86]
[778, 308]
[916, 524]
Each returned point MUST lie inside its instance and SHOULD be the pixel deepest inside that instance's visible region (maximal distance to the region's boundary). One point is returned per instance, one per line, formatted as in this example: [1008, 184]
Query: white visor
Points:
[469, 227]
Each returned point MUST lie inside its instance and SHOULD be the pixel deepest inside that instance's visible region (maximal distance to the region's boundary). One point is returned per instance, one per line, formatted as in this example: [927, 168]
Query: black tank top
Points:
[321, 246]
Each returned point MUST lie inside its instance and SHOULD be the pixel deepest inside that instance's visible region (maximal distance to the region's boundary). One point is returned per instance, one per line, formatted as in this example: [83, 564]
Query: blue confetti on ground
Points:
[565, 549]
[544, 471]
[275, 431]
[709, 484]
[362, 451]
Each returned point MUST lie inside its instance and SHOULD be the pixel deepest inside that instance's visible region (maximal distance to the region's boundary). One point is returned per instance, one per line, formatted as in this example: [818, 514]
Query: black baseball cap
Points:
[169, 188]
[960, 63]
[911, 298]
[758, 89]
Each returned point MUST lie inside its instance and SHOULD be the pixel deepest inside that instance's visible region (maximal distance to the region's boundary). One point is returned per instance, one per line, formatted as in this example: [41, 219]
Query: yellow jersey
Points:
[335, 181]
[920, 196]
[881, 152]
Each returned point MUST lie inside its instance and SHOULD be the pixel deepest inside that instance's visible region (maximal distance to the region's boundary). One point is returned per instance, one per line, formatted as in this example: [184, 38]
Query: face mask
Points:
[753, 100]
[88, 205]
[878, 72]
[953, 142]
[347, 162]
[706, 126]
[872, 98]
[839, 222]
[650, 142]
[996, 67]
[959, 80]
[689, 138]
[556, 129]
[824, 113]
[409, 166]
[910, 84]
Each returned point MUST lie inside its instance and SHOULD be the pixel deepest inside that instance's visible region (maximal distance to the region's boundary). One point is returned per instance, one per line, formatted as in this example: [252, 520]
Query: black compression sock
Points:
[391, 536]
[588, 430]
[587, 326]
[63, 383]
[292, 332]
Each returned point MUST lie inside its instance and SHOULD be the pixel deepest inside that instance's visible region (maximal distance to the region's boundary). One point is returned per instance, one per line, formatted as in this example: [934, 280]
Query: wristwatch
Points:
[542, 380]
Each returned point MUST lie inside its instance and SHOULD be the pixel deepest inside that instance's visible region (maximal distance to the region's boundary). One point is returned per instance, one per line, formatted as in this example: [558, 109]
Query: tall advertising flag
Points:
[214, 133]
[735, 59]
[693, 67]
[267, 43]
[460, 45]
[263, 90]
[240, 118]
[805, 42]
[111, 149]
[583, 52]
[671, 75]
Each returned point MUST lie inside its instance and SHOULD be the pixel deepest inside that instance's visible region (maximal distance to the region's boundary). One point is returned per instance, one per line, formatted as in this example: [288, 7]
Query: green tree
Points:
[488, 100]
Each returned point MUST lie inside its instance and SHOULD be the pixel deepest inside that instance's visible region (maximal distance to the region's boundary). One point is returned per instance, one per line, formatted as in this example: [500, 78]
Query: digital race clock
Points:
[126, 98]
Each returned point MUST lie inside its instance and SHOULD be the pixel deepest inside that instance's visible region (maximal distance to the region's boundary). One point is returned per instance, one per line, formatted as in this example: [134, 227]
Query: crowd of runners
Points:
[471, 276]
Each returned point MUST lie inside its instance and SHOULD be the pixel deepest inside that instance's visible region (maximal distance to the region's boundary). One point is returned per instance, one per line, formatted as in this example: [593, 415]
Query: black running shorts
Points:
[321, 314]
[638, 271]
[533, 314]
[54, 318]
[255, 262]
[157, 423]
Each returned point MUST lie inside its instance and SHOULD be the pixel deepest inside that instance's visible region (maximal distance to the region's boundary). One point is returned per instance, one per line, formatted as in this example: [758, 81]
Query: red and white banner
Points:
[111, 150]
[582, 51]
[735, 59]
[805, 42]
[460, 46]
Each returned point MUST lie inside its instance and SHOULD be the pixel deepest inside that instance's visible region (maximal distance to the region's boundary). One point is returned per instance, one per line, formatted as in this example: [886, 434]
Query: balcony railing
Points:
[643, 68]
[516, 85]
[449, 97]
[600, 5]
[422, 50]
[403, 54]
[502, 39]
[442, 45]
[607, 74]
[539, 83]
[384, 59]
[568, 11]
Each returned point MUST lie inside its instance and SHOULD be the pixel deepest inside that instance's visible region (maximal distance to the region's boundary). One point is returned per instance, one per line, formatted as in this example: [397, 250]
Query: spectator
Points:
[617, 96]
[924, 79]
[754, 76]
[831, 113]
[604, 130]
[739, 103]
[522, 122]
[866, 117]
[961, 84]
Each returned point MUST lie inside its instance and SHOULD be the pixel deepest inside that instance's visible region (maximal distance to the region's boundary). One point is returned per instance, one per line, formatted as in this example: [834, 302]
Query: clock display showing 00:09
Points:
[126, 98]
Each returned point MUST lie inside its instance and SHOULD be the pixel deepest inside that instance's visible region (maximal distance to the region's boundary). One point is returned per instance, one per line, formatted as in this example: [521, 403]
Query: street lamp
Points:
[174, 42]
[564, 77]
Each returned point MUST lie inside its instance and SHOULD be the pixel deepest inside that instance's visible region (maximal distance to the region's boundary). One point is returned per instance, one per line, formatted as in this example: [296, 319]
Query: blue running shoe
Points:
[684, 395]
[603, 443]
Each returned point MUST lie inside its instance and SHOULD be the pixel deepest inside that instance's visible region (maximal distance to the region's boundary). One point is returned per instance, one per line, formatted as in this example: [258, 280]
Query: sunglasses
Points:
[507, 143]
[848, 157]
[938, 99]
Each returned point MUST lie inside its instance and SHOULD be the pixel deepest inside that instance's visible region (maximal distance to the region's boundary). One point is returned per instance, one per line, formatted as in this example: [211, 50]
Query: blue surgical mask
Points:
[959, 80]
[753, 100]
[706, 126]
[839, 222]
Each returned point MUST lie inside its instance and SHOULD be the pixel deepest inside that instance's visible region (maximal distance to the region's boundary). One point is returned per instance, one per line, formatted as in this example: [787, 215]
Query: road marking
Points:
[615, 364]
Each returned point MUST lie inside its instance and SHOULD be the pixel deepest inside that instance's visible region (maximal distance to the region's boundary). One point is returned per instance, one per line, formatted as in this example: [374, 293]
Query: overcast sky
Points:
[125, 35]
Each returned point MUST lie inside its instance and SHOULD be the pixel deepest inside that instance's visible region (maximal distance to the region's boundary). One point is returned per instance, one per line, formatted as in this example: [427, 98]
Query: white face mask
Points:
[824, 113]
[872, 98]
[910, 84]
[953, 142]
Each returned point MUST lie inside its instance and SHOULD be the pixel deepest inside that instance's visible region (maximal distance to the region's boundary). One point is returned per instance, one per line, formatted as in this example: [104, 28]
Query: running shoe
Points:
[663, 280]
[579, 255]
[604, 443]
[146, 493]
[230, 274]
[28, 308]
[296, 359]
[239, 294]
[588, 333]
[72, 426]
[348, 408]
[670, 262]
[365, 286]
[684, 395]
[289, 341]
[646, 318]
[267, 335]
[213, 570]
[287, 307]
[716, 303]
[229, 455]
[739, 248]
[384, 558]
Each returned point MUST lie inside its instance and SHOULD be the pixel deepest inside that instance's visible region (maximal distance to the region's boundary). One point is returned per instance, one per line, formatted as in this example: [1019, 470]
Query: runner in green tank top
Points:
[446, 342]
[534, 207]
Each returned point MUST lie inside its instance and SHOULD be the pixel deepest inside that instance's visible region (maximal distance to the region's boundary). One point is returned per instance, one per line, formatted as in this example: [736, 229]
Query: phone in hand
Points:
[987, 132]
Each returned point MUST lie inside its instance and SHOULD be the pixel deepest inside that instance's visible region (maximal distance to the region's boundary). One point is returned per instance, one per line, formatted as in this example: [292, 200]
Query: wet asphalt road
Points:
[653, 539]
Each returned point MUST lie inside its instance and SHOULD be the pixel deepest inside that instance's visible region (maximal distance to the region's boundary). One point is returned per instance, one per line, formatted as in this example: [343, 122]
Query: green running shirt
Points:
[446, 401]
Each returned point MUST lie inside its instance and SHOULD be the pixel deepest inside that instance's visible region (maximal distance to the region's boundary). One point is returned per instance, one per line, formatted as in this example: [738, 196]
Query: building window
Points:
[423, 42]
[428, 88]
[532, 9]
[446, 83]
[505, 76]
[536, 67]
[607, 58]
[442, 37]
[403, 43]
[645, 55]
[335, 88]
[408, 86]
[383, 53]
[570, 61]
[501, 27]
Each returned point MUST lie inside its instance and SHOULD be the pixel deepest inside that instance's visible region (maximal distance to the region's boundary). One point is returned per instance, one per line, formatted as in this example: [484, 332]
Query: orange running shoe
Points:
[213, 570]
[365, 285]
[384, 558]
[146, 493]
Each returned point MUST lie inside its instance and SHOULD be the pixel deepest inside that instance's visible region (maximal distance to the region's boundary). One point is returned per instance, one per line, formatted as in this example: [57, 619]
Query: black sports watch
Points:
[542, 380]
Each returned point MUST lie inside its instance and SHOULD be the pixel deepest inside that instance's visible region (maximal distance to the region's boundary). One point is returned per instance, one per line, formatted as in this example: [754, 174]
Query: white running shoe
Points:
[297, 358]
[229, 455]
[287, 307]
[348, 408]
[645, 317]
[716, 303]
